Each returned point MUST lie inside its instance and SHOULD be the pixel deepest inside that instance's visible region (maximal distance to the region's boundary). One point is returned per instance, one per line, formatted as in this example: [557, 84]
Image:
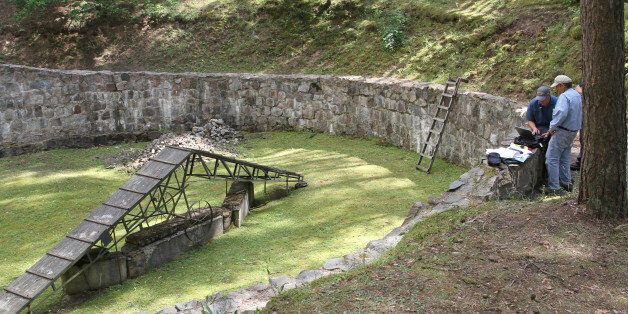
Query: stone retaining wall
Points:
[42, 108]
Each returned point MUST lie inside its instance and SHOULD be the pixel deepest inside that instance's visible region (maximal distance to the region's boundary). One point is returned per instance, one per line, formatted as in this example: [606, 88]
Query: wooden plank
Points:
[124, 199]
[88, 231]
[12, 303]
[28, 285]
[156, 169]
[106, 215]
[140, 184]
[50, 267]
[172, 155]
[70, 249]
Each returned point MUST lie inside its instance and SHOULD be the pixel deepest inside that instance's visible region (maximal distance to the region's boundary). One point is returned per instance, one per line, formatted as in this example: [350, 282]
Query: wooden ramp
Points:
[153, 192]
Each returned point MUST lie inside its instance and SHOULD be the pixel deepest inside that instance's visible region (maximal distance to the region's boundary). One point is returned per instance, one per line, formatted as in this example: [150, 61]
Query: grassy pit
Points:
[358, 191]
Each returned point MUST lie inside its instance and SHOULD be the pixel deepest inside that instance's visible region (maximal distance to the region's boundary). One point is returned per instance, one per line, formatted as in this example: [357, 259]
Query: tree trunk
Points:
[603, 177]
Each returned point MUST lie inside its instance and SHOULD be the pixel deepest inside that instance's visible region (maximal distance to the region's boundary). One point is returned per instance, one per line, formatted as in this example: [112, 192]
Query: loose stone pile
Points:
[215, 137]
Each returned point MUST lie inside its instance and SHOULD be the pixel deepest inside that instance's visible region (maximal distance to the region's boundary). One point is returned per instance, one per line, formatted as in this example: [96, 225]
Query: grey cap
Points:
[561, 79]
[542, 92]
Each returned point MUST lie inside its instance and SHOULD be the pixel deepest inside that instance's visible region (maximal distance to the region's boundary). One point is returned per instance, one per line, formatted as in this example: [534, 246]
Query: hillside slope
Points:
[509, 256]
[507, 47]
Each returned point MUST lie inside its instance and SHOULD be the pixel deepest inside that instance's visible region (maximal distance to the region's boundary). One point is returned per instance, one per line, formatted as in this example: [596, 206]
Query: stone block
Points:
[108, 271]
[238, 203]
[157, 253]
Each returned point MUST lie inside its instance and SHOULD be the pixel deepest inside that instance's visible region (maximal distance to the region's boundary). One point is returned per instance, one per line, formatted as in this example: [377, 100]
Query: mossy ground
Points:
[358, 191]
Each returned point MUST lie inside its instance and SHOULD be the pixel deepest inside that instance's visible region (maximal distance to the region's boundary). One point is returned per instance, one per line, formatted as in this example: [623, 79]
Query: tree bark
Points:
[603, 177]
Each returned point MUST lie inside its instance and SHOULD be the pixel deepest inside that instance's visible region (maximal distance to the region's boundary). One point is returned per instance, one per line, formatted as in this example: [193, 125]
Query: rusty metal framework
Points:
[156, 193]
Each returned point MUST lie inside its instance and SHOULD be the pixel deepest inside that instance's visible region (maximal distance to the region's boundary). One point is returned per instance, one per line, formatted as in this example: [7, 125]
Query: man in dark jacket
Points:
[540, 108]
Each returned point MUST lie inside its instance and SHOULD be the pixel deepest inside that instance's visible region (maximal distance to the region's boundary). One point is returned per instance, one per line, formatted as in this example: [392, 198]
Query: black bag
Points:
[531, 143]
[493, 159]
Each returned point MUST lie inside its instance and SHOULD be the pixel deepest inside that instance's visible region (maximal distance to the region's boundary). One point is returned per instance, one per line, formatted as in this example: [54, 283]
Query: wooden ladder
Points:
[430, 146]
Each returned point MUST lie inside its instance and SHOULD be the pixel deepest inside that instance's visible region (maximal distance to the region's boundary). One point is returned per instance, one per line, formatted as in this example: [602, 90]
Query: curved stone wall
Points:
[43, 108]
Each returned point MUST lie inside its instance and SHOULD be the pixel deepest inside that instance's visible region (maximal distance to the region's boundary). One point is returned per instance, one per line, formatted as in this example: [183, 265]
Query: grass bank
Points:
[514, 256]
[358, 191]
[506, 47]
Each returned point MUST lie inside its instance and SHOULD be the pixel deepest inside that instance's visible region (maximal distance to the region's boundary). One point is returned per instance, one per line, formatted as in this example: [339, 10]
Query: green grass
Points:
[301, 299]
[45, 195]
[358, 191]
[474, 260]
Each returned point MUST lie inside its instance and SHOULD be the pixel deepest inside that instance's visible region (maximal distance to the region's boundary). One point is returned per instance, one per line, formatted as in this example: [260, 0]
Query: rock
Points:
[260, 287]
[336, 264]
[218, 303]
[433, 200]
[360, 258]
[283, 283]
[399, 231]
[415, 209]
[383, 245]
[455, 185]
[308, 276]
[189, 305]
[169, 310]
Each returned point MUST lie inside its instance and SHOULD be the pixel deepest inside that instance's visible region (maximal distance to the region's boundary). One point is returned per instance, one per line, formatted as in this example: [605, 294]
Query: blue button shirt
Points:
[541, 116]
[568, 111]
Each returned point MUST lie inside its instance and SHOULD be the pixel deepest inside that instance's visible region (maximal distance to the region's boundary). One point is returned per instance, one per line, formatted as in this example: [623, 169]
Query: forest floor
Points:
[515, 256]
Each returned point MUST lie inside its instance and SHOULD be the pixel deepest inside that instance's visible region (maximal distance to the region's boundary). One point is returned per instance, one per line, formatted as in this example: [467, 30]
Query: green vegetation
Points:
[358, 191]
[505, 47]
[300, 300]
[502, 256]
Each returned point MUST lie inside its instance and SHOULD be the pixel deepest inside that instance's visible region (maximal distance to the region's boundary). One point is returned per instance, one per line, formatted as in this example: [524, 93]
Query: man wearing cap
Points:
[540, 110]
[565, 124]
[576, 166]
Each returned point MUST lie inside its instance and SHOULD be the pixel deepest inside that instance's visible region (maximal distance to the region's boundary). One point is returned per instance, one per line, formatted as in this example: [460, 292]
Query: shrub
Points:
[100, 9]
[393, 29]
[28, 7]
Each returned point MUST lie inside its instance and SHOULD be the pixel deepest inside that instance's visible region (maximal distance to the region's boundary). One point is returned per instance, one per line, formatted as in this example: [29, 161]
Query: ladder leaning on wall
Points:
[429, 147]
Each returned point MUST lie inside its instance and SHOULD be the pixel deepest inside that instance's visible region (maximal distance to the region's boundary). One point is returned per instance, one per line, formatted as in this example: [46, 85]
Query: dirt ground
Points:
[532, 257]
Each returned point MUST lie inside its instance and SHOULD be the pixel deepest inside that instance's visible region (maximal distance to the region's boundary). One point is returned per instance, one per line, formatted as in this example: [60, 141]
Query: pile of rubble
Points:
[220, 133]
[215, 136]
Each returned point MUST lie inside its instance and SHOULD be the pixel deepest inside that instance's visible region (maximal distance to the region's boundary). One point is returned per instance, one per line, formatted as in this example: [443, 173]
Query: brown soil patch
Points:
[530, 257]
[531, 25]
[7, 12]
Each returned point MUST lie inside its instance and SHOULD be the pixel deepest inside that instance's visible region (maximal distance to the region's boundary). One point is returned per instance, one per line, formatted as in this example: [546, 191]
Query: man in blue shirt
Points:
[540, 110]
[566, 122]
[576, 165]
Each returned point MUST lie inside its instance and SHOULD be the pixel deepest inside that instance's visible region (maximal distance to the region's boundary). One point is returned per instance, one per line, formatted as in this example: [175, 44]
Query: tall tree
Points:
[603, 178]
